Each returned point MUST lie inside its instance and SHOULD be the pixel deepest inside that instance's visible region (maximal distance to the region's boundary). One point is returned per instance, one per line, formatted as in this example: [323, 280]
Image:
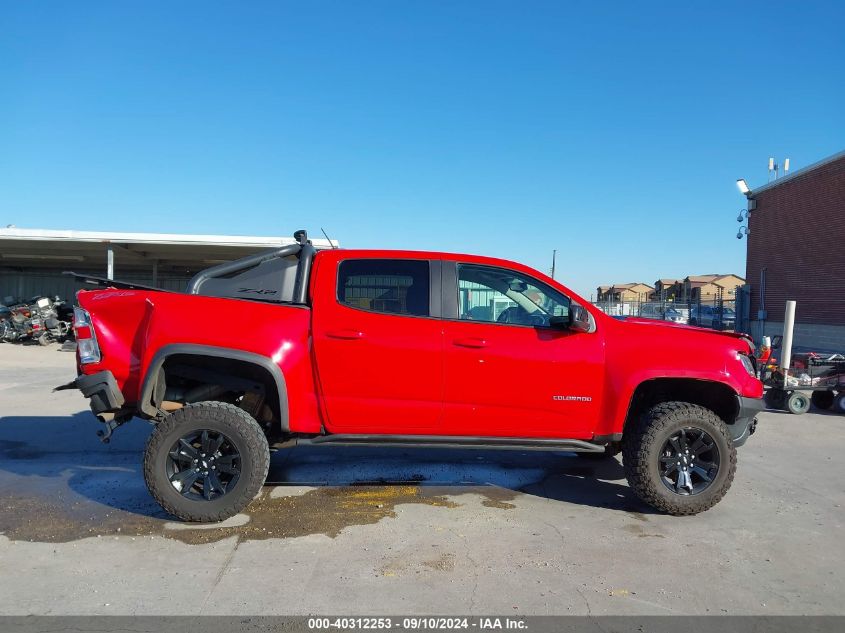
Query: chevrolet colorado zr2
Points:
[343, 347]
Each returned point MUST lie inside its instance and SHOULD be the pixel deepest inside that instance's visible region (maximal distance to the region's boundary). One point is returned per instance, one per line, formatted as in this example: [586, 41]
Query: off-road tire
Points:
[823, 399]
[240, 428]
[642, 444]
[839, 402]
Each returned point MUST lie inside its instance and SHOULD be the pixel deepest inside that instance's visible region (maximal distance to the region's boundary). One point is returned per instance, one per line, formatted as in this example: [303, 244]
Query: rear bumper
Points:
[746, 420]
[102, 391]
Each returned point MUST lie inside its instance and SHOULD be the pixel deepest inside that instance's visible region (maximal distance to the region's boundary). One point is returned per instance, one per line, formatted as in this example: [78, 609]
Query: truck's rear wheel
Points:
[206, 461]
[679, 458]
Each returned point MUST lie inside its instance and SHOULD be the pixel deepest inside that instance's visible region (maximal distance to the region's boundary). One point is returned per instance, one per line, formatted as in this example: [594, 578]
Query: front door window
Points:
[496, 295]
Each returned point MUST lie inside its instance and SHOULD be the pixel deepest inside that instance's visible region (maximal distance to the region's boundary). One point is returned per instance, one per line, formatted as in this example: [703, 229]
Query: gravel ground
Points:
[392, 531]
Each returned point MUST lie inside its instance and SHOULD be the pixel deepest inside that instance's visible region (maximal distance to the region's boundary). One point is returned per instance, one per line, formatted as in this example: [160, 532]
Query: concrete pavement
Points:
[391, 531]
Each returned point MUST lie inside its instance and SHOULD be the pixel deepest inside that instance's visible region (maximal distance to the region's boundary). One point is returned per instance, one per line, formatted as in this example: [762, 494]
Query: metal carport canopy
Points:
[88, 250]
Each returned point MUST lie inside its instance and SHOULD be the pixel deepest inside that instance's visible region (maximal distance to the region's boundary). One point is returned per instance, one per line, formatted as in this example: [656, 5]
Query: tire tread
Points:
[638, 441]
[249, 432]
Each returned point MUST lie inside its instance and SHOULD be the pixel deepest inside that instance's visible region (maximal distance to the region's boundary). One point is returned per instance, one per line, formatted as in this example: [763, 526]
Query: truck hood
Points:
[688, 328]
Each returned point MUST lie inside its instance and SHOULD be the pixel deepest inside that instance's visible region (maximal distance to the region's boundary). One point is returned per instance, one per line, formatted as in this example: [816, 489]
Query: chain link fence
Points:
[718, 313]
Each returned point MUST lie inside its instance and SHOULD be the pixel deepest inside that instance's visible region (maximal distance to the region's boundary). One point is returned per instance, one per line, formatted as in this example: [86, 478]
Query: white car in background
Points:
[662, 312]
[713, 317]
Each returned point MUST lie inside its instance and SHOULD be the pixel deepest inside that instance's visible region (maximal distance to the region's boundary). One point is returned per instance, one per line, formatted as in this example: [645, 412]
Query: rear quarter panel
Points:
[132, 325]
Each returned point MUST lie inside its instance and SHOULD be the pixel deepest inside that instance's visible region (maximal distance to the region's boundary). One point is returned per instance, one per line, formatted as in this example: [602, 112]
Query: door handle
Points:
[470, 342]
[349, 335]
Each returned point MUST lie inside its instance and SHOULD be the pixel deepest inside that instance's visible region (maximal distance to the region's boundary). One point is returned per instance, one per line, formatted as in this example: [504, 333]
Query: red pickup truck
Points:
[404, 348]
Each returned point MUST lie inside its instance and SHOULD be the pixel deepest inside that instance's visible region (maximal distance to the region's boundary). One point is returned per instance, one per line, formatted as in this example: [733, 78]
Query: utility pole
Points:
[554, 254]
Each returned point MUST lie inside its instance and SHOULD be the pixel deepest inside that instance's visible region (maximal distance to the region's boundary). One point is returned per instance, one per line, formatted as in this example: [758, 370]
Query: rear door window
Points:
[391, 286]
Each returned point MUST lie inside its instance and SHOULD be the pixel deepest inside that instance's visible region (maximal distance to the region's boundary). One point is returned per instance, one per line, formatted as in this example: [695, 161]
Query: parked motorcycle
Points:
[43, 321]
[15, 324]
[47, 326]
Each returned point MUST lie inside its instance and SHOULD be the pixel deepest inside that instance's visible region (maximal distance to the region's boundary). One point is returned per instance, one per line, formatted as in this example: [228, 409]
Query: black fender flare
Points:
[148, 386]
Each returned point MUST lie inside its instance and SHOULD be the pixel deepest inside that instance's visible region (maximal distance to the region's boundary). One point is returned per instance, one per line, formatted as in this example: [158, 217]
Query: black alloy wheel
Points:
[206, 461]
[203, 465]
[679, 457]
[689, 461]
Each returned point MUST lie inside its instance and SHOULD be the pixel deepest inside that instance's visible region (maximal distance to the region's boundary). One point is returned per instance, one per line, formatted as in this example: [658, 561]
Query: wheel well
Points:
[186, 378]
[716, 396]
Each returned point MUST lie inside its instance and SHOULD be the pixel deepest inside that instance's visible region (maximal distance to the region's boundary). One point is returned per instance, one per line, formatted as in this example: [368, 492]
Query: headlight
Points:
[748, 364]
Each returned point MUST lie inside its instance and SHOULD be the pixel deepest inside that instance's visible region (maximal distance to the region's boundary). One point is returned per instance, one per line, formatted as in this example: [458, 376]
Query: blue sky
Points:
[612, 132]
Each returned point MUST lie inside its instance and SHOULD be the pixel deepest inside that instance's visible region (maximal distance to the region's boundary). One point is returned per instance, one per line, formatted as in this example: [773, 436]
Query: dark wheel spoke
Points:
[702, 473]
[188, 449]
[684, 483]
[184, 480]
[226, 465]
[206, 488]
[180, 456]
[203, 465]
[682, 469]
[699, 445]
[216, 443]
[214, 481]
[682, 440]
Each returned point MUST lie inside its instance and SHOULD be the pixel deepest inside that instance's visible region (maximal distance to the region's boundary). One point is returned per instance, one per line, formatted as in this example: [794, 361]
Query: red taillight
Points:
[86, 338]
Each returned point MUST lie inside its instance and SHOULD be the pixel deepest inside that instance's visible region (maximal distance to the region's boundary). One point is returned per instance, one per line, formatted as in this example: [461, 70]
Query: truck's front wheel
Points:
[679, 458]
[206, 461]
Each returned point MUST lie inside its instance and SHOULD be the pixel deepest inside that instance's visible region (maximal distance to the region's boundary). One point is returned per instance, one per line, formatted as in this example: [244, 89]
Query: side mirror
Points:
[560, 322]
[578, 320]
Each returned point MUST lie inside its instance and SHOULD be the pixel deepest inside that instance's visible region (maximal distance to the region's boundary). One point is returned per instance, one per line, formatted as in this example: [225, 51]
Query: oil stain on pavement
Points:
[324, 510]
[60, 486]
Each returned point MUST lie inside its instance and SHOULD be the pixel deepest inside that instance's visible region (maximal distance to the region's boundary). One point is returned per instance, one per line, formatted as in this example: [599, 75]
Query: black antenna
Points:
[332, 244]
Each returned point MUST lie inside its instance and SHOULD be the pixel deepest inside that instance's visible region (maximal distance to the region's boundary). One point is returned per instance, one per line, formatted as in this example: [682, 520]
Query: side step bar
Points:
[453, 441]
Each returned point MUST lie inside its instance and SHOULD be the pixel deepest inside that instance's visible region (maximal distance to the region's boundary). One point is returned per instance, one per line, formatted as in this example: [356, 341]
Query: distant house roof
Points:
[667, 282]
[697, 281]
[721, 278]
[702, 278]
[632, 286]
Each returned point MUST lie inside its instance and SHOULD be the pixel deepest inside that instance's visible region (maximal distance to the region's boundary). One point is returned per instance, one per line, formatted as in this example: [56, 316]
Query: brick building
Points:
[796, 250]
